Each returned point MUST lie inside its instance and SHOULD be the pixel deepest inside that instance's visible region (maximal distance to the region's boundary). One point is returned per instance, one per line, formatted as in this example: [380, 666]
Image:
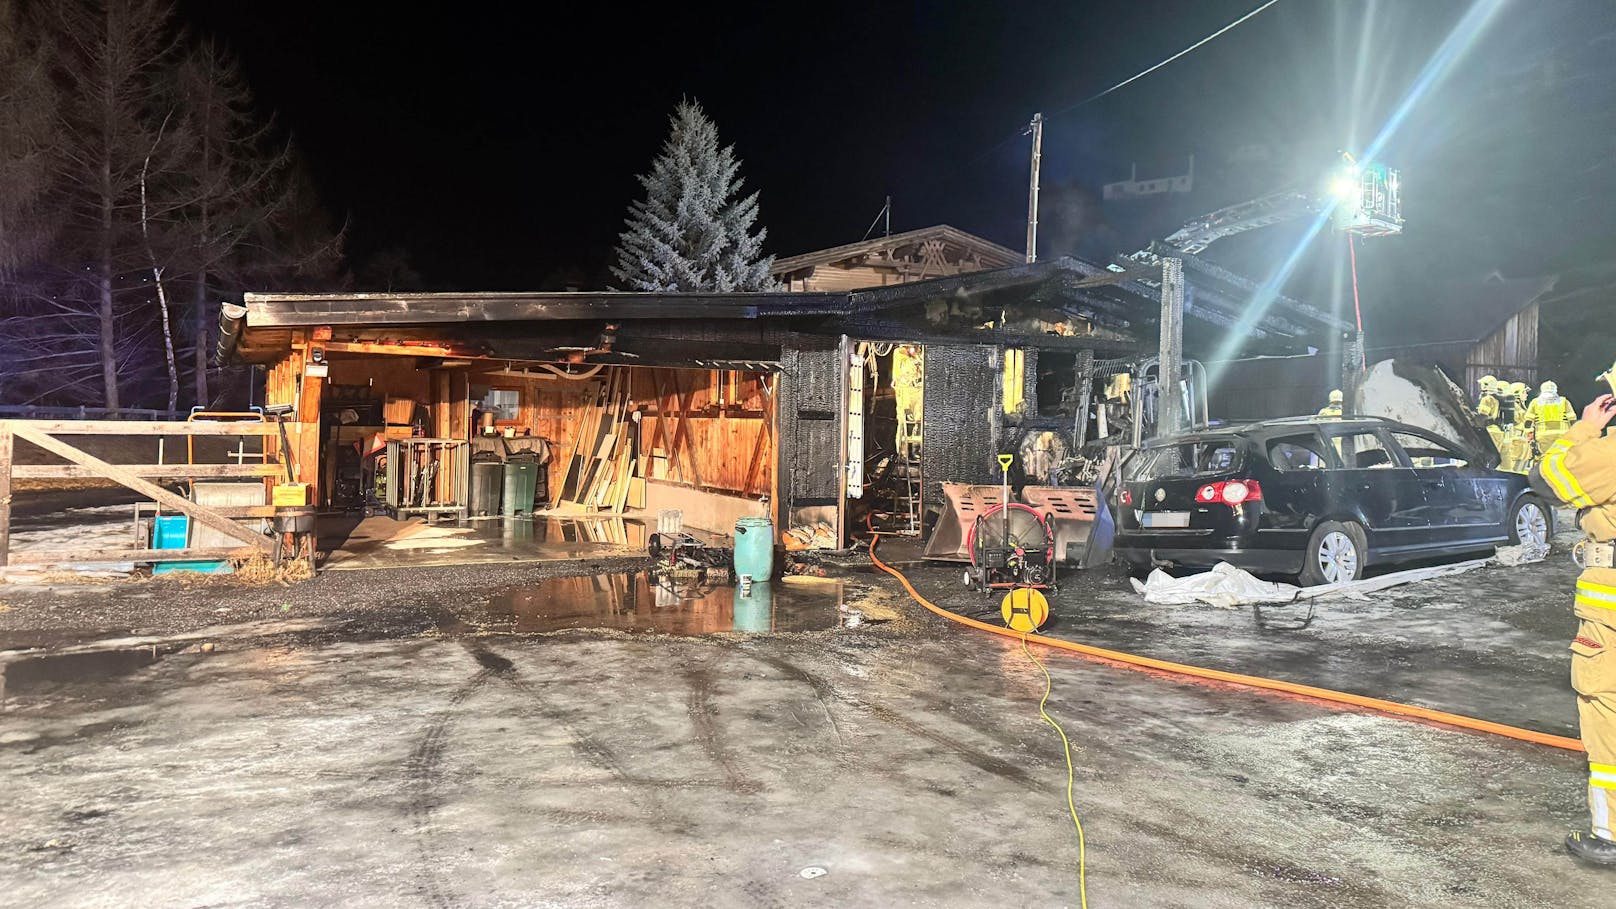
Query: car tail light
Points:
[1127, 497]
[1230, 492]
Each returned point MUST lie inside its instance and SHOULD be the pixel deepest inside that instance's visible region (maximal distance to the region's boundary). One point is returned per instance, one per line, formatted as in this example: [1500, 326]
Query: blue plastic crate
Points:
[171, 531]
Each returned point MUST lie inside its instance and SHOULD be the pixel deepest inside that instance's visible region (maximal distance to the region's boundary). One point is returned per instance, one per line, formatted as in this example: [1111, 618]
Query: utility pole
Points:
[1036, 128]
[887, 211]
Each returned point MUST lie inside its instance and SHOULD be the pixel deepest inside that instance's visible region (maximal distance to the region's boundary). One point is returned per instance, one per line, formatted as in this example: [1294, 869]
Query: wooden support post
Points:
[777, 508]
[310, 391]
[1084, 369]
[460, 405]
[5, 494]
[204, 516]
[1170, 356]
[1352, 371]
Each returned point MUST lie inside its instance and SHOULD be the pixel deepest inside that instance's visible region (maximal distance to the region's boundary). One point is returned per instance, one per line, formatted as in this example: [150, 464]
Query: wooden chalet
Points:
[914, 255]
[710, 402]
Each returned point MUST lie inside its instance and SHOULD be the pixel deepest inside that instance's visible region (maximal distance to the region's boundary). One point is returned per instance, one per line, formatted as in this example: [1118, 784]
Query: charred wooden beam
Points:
[280, 310]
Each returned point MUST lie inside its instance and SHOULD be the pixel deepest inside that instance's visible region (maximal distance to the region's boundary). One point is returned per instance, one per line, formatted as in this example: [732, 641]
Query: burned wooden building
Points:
[714, 403]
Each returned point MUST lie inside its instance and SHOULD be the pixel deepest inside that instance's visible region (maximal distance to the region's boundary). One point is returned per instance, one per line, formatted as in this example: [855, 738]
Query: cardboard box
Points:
[290, 495]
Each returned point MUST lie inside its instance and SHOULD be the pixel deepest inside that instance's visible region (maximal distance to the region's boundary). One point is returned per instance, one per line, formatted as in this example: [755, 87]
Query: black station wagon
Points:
[1319, 498]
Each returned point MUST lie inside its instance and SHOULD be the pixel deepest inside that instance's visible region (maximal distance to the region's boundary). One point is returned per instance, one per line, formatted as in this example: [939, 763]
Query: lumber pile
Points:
[602, 468]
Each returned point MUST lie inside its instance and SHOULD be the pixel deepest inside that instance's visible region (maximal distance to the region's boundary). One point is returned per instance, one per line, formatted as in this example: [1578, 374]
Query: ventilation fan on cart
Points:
[1011, 546]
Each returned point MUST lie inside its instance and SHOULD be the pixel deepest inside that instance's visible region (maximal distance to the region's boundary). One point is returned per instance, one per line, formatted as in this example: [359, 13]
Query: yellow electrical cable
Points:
[1071, 805]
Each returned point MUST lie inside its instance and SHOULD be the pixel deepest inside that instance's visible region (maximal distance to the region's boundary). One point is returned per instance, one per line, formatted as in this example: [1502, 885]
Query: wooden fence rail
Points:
[138, 477]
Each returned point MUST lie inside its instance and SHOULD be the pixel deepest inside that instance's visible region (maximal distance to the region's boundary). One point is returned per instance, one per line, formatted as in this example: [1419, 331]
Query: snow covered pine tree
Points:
[692, 232]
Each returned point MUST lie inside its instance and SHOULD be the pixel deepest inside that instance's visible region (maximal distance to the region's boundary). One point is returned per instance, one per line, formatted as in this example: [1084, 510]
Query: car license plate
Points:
[1165, 519]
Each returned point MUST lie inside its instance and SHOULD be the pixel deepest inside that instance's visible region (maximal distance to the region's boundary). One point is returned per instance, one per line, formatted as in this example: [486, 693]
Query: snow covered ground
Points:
[91, 527]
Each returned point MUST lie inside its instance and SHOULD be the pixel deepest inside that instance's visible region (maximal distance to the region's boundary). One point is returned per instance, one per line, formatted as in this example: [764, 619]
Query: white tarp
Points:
[1227, 586]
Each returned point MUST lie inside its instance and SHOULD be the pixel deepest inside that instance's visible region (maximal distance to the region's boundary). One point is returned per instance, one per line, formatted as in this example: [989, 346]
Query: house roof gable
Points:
[988, 253]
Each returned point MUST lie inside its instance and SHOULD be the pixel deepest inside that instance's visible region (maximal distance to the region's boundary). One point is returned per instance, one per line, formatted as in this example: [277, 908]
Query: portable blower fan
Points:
[1011, 546]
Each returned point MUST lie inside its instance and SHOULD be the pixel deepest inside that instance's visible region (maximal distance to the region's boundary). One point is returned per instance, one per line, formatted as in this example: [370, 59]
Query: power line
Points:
[1143, 73]
[1097, 96]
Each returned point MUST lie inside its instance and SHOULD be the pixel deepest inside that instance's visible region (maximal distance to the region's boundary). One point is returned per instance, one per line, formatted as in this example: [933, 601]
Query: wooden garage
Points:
[829, 405]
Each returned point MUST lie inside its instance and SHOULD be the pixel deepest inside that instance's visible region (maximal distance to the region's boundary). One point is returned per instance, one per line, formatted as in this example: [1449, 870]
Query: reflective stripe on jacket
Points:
[1581, 470]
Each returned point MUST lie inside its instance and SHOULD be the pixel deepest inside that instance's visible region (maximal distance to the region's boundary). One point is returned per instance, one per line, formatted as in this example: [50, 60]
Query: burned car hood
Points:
[1424, 396]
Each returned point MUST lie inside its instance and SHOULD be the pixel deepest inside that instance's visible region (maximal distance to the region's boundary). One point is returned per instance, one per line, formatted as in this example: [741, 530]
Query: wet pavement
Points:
[589, 769]
[381, 542]
[644, 602]
[571, 734]
[1490, 643]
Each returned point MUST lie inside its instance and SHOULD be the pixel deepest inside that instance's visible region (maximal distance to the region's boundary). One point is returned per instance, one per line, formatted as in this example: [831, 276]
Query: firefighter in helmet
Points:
[1579, 469]
[1517, 431]
[1333, 409]
[1550, 415]
[1487, 404]
[1487, 407]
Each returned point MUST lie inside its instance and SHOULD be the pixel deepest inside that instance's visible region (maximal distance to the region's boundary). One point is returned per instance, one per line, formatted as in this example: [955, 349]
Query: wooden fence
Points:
[139, 477]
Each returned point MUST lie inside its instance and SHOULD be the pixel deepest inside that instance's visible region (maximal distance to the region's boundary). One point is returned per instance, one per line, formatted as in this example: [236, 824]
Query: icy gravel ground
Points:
[580, 769]
[377, 603]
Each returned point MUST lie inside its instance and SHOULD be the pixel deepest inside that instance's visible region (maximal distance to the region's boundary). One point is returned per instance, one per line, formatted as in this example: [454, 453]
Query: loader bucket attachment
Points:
[962, 503]
[1071, 512]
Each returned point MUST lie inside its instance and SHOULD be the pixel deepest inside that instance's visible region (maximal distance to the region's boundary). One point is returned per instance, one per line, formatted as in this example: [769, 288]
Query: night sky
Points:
[499, 147]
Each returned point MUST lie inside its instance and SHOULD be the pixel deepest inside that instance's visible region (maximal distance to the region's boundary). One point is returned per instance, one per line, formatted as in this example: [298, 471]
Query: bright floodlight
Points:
[1344, 187]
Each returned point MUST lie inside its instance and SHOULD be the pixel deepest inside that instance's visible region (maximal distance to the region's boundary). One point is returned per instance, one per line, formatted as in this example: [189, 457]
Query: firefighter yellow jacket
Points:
[1558, 411]
[1581, 469]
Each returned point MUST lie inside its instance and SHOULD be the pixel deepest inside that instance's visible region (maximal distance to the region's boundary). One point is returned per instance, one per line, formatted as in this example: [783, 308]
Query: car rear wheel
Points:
[1336, 553]
[1530, 523]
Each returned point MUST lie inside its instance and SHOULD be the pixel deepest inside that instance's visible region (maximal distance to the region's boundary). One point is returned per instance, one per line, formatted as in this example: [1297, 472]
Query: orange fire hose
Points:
[1391, 708]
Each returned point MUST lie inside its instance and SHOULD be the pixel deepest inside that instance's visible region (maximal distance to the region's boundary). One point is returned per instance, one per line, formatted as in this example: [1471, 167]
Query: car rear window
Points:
[1303, 452]
[1191, 459]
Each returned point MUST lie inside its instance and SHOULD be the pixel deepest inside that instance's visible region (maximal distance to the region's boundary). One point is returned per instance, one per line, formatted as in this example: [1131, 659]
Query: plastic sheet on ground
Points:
[1227, 586]
[1524, 554]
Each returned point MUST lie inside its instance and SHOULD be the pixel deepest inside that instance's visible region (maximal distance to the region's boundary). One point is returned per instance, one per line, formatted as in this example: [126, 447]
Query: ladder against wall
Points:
[908, 470]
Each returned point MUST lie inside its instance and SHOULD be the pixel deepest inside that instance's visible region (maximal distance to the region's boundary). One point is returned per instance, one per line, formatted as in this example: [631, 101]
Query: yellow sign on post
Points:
[1024, 609]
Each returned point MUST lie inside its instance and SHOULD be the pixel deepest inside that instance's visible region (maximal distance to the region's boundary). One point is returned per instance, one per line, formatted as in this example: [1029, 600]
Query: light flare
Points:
[1459, 40]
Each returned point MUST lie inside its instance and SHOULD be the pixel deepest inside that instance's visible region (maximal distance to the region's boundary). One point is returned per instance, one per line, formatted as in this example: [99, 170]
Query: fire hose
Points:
[1135, 661]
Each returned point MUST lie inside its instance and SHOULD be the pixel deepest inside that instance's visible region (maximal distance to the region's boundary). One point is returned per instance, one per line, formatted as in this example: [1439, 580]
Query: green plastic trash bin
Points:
[521, 485]
[754, 549]
[487, 478]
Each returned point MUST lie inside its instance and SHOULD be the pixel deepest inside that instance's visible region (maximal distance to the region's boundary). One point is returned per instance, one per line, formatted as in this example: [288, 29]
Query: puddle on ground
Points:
[642, 603]
[379, 541]
[26, 673]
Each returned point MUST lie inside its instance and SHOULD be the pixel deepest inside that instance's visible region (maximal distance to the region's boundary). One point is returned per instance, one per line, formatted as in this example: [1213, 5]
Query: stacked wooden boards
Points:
[602, 469]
